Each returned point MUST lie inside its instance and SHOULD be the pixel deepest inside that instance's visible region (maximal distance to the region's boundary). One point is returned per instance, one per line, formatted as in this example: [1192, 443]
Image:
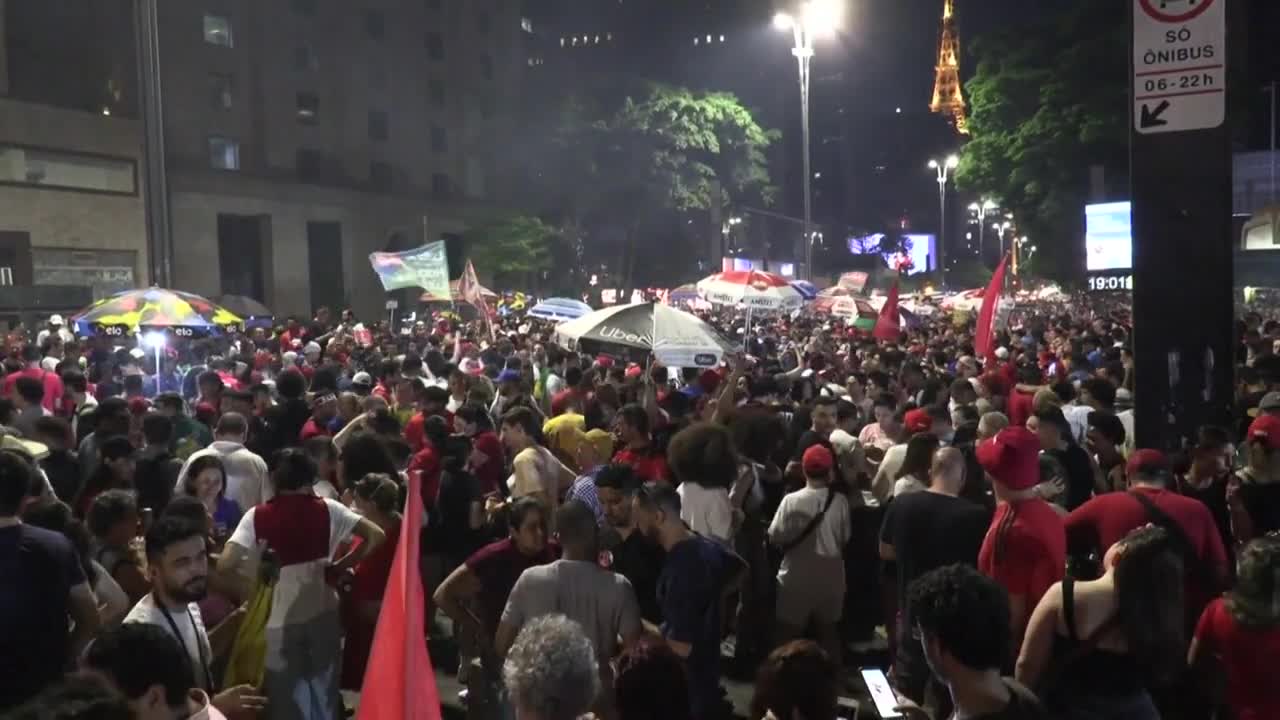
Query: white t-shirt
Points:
[194, 637]
[301, 592]
[109, 594]
[819, 556]
[882, 486]
[707, 511]
[908, 484]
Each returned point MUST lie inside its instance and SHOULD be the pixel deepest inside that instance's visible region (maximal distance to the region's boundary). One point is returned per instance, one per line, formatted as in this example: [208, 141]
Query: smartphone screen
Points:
[881, 694]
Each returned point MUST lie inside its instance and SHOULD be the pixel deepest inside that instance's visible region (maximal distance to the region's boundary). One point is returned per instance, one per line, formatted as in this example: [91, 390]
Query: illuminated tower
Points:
[948, 97]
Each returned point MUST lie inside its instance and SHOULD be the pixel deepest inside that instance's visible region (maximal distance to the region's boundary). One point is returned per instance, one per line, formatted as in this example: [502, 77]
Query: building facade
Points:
[302, 135]
[72, 213]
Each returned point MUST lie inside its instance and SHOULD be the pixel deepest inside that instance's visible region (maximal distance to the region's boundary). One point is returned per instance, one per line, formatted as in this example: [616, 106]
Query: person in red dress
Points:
[1025, 549]
[377, 498]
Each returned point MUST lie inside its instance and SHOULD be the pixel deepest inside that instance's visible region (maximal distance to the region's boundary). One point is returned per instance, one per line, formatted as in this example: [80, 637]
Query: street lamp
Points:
[981, 209]
[943, 168]
[1003, 227]
[816, 18]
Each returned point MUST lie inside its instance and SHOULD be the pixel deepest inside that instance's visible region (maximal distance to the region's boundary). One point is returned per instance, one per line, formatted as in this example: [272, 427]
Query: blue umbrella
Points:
[806, 289]
[560, 309]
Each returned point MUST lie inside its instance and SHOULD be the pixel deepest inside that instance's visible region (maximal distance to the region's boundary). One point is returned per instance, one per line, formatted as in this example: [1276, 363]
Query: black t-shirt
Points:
[452, 533]
[1075, 461]
[689, 590]
[640, 561]
[1262, 501]
[38, 568]
[1214, 496]
[930, 530]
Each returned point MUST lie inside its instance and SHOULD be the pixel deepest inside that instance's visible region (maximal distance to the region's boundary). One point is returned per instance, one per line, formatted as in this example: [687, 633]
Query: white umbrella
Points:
[758, 291]
[674, 337]
[560, 309]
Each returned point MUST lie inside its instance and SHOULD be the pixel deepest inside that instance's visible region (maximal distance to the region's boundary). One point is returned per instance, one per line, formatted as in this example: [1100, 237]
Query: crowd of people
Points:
[615, 537]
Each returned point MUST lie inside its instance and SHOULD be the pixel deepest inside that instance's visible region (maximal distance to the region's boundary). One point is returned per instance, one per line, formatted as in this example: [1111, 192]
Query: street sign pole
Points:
[1181, 192]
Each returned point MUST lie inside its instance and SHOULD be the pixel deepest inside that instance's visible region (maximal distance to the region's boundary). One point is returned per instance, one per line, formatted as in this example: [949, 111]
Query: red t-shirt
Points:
[1110, 517]
[498, 565]
[426, 465]
[1021, 407]
[649, 464]
[1249, 656]
[52, 385]
[1025, 549]
[415, 430]
[489, 473]
[311, 429]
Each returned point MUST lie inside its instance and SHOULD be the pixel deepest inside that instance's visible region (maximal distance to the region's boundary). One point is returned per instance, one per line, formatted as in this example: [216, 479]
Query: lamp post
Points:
[816, 17]
[981, 209]
[943, 168]
[1003, 227]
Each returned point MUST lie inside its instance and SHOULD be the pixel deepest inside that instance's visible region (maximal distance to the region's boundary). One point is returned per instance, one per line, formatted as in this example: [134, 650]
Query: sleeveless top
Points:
[1098, 672]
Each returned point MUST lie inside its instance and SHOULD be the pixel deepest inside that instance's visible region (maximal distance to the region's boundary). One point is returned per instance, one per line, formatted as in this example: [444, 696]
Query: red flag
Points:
[888, 325]
[399, 683]
[982, 344]
[469, 289]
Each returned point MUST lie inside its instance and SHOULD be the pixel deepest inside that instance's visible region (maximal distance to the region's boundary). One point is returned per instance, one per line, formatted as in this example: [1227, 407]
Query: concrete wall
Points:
[71, 219]
[367, 221]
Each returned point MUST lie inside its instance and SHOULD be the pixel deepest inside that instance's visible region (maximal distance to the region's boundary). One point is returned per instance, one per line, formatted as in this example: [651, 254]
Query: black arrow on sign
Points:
[1151, 118]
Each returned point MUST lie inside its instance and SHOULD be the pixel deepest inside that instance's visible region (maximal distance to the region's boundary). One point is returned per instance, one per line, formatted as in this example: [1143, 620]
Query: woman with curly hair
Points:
[1241, 633]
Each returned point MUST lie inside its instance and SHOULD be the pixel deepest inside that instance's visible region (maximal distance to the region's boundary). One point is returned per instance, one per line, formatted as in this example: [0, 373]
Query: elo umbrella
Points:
[156, 309]
[254, 313]
[674, 337]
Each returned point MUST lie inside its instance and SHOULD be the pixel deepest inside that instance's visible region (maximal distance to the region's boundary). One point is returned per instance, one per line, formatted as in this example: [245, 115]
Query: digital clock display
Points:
[1109, 283]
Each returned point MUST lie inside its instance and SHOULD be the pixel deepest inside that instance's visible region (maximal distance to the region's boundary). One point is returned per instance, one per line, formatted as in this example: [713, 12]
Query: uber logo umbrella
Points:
[674, 337]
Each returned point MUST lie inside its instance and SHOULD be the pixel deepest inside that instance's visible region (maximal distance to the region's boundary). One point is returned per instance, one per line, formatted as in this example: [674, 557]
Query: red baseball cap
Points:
[817, 461]
[1267, 429]
[1146, 460]
[1012, 458]
[918, 421]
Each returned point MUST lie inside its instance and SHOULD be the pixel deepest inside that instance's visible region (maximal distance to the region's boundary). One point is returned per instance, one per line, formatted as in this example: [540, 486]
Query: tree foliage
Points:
[515, 245]
[1048, 102]
[630, 176]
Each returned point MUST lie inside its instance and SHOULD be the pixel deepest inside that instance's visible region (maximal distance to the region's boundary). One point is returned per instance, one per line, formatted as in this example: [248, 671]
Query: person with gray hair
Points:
[550, 672]
[991, 424]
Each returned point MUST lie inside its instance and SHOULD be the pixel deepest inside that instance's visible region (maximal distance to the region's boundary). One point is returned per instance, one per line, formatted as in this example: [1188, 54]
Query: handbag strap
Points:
[813, 524]
[1195, 564]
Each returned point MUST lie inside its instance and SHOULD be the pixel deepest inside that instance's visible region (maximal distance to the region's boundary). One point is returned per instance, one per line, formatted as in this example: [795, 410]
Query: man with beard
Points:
[633, 557]
[698, 576]
[178, 566]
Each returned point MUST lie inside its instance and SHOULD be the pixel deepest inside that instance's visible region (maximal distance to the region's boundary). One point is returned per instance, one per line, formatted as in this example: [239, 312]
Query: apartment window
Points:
[375, 24]
[222, 86]
[303, 7]
[526, 24]
[439, 140]
[484, 21]
[436, 90]
[378, 125]
[309, 164]
[71, 171]
[380, 175]
[224, 153]
[308, 108]
[217, 30]
[440, 185]
[435, 46]
[304, 59]
[486, 67]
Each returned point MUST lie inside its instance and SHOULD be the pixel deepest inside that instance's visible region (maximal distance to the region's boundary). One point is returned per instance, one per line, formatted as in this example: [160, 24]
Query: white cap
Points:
[138, 353]
[312, 348]
[1002, 353]
[363, 379]
[56, 320]
[290, 358]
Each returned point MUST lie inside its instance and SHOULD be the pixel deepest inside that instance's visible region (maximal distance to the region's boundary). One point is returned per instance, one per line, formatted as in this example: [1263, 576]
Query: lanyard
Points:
[205, 675]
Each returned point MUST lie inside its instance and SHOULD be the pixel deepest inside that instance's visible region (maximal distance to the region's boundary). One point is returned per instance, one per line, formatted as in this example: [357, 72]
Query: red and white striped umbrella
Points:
[755, 289]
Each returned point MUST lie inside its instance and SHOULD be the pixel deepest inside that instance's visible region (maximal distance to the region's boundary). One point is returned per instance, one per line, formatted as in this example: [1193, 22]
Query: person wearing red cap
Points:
[1025, 549]
[1106, 519]
[1254, 496]
[811, 528]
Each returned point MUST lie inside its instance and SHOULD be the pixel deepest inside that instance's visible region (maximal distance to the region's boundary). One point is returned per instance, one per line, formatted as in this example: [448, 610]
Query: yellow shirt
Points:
[564, 435]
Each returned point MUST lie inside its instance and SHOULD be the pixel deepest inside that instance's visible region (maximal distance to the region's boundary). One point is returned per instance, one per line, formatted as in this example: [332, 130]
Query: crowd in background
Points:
[615, 537]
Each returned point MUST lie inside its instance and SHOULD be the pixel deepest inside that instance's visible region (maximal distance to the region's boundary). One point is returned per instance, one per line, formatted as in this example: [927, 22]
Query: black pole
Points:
[156, 182]
[1182, 245]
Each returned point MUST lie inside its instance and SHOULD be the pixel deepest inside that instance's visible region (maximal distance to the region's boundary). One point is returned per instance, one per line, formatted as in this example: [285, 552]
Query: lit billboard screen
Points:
[920, 250]
[1108, 237]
